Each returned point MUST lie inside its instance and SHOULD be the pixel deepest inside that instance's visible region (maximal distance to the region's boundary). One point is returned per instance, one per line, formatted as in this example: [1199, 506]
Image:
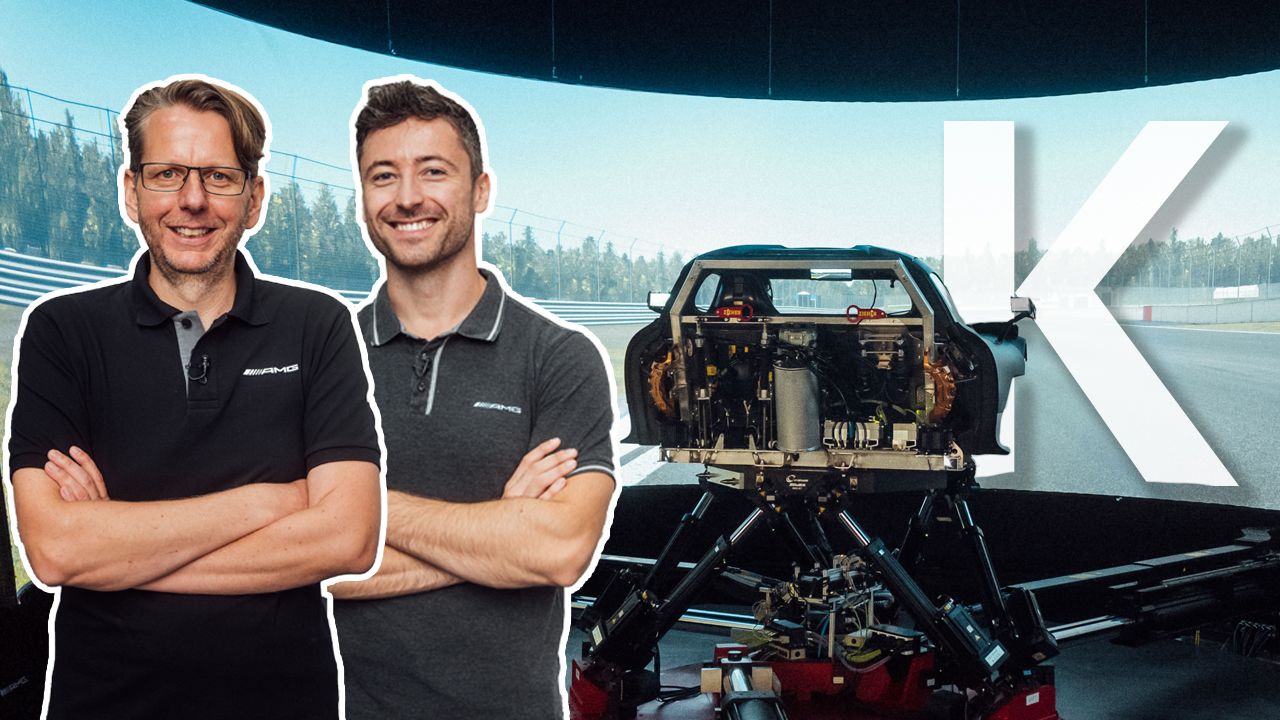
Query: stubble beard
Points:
[199, 278]
[423, 261]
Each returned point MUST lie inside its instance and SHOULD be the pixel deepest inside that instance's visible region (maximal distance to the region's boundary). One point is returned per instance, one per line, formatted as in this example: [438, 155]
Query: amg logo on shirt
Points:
[513, 409]
[13, 686]
[271, 370]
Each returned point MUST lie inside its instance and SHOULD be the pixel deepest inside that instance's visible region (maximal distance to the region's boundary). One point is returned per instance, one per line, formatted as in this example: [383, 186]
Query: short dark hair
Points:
[392, 103]
[248, 129]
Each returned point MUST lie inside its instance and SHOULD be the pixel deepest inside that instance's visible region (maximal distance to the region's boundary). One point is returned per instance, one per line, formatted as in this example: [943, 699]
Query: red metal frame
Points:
[819, 690]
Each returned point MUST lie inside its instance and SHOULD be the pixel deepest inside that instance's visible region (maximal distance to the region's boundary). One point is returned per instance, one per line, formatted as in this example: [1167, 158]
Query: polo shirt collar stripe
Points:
[483, 322]
[485, 319]
[435, 373]
[149, 309]
[497, 321]
[385, 323]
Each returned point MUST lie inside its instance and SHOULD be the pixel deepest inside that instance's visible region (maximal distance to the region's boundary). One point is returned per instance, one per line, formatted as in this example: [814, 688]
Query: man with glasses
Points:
[192, 451]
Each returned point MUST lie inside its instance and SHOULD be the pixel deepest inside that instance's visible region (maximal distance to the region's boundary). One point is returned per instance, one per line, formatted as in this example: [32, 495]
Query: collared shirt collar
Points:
[482, 323]
[151, 310]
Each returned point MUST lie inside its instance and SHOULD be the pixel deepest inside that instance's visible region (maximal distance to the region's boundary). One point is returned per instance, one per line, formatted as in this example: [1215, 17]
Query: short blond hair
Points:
[248, 129]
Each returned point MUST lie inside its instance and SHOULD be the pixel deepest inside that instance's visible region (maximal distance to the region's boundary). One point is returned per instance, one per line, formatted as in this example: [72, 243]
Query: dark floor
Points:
[1097, 680]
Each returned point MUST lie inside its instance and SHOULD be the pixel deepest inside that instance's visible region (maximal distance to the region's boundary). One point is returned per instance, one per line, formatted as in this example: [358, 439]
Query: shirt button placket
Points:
[425, 369]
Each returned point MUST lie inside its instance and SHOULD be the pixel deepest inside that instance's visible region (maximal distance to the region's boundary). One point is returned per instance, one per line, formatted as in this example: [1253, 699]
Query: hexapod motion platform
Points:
[803, 378]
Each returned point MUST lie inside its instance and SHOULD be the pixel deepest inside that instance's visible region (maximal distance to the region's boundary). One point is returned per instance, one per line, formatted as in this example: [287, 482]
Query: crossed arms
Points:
[266, 537]
[261, 537]
[544, 530]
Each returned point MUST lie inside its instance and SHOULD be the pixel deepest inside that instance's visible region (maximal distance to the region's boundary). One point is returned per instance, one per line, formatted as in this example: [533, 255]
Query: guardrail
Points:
[599, 313]
[1218, 313]
[24, 278]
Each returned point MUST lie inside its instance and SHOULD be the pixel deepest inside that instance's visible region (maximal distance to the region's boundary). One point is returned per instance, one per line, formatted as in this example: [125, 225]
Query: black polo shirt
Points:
[284, 390]
[458, 412]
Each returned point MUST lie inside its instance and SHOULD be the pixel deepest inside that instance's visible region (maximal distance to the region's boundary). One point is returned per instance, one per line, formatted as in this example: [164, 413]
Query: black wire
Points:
[671, 693]
[676, 694]
[822, 374]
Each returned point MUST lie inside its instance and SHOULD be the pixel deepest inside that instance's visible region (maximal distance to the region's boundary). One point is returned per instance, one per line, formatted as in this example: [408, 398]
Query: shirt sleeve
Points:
[338, 422]
[575, 403]
[49, 408]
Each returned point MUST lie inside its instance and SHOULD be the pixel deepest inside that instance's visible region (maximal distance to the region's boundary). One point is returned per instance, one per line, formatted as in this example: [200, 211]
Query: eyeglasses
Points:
[170, 177]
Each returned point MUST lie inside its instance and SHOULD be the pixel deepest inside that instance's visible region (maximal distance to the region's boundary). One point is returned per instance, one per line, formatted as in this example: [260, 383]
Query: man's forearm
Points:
[399, 574]
[337, 535]
[506, 543]
[297, 550]
[111, 545]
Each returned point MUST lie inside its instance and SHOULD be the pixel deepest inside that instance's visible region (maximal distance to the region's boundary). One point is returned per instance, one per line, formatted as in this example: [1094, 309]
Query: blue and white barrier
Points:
[24, 278]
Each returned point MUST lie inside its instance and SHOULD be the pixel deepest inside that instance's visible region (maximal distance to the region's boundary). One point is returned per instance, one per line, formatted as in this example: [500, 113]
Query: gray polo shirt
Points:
[458, 413]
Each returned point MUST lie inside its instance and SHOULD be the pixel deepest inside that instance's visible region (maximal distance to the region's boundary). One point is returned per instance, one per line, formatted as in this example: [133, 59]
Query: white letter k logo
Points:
[1147, 422]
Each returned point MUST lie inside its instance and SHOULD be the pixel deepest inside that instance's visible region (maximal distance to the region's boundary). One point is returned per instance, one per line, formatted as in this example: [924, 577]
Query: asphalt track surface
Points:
[1227, 381]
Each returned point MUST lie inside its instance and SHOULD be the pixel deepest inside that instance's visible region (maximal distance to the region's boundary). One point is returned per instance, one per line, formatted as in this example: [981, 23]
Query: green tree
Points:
[278, 247]
[359, 267]
[495, 250]
[535, 269]
[322, 248]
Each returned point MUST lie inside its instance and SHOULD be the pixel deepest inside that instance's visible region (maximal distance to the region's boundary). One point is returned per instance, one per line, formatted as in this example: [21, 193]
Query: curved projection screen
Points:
[1151, 369]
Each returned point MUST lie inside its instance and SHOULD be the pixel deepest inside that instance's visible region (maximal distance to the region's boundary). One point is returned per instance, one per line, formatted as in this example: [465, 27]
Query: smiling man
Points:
[487, 521]
[188, 501]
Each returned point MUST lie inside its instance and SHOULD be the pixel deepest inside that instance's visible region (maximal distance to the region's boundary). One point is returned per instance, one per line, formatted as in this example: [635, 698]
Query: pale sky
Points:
[674, 171]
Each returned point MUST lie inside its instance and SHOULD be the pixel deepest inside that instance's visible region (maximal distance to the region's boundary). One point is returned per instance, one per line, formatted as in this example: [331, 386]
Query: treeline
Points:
[58, 195]
[58, 199]
[587, 272]
[1219, 261]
